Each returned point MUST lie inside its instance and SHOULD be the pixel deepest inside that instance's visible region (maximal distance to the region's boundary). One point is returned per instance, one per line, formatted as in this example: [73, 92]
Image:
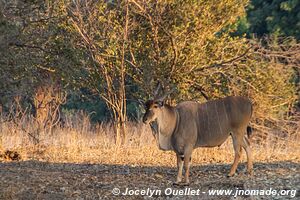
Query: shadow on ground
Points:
[43, 180]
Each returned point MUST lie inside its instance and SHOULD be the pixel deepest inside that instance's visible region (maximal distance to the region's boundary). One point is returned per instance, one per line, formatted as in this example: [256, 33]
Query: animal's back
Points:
[213, 121]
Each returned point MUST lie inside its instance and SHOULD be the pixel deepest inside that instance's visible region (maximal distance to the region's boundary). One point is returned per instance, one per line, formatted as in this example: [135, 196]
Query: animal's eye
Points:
[155, 106]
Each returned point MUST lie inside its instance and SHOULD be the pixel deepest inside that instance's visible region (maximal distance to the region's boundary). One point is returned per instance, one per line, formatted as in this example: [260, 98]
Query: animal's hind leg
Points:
[246, 146]
[180, 159]
[237, 154]
[187, 164]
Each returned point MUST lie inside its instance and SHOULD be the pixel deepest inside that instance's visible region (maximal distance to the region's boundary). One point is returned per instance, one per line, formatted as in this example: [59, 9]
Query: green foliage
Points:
[278, 17]
[35, 49]
[89, 103]
[181, 38]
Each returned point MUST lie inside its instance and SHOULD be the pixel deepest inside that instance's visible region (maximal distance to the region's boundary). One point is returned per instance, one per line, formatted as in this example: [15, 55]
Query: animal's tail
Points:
[249, 131]
[249, 128]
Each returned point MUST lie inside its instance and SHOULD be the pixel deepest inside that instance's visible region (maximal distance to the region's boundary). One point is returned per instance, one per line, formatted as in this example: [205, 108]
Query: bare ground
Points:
[45, 180]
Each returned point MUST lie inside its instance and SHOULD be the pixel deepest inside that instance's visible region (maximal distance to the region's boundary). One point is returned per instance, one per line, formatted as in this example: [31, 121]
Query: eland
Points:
[190, 125]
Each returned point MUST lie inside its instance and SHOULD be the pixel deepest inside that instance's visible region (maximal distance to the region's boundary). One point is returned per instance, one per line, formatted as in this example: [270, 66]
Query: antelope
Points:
[190, 125]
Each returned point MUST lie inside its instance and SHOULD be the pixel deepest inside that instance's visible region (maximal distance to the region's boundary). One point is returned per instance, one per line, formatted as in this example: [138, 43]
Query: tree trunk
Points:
[120, 127]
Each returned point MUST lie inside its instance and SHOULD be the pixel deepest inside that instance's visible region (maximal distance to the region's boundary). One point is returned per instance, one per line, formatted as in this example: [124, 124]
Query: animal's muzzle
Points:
[145, 120]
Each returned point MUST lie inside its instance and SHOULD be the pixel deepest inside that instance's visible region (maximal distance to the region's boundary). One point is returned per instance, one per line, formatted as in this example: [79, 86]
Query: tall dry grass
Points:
[78, 141]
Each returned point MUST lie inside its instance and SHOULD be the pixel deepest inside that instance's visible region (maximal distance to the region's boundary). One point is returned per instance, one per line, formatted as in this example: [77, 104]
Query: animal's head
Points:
[154, 106]
[153, 109]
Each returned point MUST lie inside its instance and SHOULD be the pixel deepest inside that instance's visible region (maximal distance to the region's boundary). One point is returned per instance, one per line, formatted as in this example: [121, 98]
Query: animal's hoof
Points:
[176, 183]
[230, 175]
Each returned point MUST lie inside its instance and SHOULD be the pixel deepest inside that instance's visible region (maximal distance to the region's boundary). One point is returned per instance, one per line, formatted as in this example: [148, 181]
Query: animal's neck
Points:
[167, 120]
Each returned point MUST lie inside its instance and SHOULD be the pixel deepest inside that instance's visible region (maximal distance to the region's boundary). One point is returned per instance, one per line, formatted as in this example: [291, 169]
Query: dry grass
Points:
[80, 142]
[81, 161]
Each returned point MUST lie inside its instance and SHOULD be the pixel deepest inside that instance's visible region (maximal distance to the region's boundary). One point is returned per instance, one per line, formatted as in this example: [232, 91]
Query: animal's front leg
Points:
[180, 159]
[187, 162]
